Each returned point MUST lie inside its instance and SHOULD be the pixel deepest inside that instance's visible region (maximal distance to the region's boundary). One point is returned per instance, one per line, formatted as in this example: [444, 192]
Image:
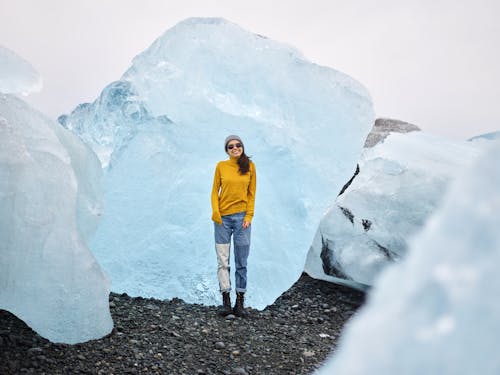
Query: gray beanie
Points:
[231, 138]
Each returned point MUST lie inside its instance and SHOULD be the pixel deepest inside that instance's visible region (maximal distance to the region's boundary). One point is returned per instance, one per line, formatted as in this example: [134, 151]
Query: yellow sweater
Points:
[233, 192]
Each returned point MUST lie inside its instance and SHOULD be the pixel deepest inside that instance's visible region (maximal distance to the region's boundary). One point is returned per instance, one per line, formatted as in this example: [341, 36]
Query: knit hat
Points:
[231, 138]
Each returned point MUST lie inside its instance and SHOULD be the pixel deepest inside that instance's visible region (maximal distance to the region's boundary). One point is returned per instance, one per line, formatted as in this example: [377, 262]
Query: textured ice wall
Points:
[401, 182]
[161, 128]
[437, 311]
[50, 204]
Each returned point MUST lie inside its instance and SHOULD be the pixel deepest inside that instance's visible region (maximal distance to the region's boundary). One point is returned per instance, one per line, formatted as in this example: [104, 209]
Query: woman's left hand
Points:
[246, 224]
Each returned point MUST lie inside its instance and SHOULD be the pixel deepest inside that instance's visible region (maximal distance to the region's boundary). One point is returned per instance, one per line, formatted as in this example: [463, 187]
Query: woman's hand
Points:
[216, 217]
[246, 224]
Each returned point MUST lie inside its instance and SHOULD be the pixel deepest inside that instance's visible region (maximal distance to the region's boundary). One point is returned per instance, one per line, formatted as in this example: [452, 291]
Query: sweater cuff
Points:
[216, 217]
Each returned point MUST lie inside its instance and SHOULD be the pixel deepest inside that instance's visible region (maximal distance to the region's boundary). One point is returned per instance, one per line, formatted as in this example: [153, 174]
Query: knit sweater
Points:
[233, 192]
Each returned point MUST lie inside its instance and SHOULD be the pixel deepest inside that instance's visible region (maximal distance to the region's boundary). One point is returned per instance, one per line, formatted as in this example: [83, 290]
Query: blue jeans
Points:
[232, 226]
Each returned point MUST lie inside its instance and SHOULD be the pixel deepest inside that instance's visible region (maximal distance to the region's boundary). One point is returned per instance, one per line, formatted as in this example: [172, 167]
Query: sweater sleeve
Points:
[215, 196]
[252, 187]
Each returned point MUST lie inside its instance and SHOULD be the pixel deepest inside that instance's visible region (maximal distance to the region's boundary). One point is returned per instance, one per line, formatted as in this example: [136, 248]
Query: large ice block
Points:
[50, 204]
[160, 131]
[400, 184]
[437, 311]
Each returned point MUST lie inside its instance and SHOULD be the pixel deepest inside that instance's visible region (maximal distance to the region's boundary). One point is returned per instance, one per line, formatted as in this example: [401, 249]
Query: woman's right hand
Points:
[217, 218]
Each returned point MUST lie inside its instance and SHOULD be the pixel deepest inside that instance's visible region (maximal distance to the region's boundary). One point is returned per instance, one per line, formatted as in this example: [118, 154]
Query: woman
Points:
[233, 200]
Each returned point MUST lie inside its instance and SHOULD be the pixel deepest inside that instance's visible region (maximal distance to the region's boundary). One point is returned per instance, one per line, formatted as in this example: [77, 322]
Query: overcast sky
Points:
[434, 63]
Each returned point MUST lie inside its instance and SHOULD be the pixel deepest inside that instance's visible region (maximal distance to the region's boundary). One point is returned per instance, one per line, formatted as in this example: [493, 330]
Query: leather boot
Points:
[225, 309]
[239, 308]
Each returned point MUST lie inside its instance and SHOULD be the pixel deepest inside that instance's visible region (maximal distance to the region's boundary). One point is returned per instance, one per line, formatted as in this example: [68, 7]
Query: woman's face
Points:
[233, 149]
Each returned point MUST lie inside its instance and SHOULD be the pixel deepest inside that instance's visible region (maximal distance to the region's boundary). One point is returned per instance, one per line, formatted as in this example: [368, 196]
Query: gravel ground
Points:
[292, 336]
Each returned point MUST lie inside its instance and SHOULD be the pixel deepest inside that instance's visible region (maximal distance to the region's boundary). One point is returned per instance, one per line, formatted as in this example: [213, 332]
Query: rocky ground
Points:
[292, 336]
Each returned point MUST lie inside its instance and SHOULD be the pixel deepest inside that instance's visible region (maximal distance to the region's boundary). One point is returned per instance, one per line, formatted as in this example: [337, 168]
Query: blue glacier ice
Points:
[159, 133]
[437, 312]
[50, 205]
[402, 181]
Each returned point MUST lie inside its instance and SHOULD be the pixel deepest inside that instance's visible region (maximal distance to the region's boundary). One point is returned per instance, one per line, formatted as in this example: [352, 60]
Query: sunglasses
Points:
[230, 147]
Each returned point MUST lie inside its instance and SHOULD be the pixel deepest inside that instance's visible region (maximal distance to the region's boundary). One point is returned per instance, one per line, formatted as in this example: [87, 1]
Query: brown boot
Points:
[225, 309]
[239, 308]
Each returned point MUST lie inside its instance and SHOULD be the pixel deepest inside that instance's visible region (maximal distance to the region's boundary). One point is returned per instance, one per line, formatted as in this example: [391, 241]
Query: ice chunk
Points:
[401, 182]
[50, 203]
[161, 128]
[17, 76]
[437, 312]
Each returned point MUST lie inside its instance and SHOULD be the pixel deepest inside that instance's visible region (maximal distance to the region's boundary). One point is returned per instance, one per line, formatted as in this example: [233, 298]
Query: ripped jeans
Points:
[232, 226]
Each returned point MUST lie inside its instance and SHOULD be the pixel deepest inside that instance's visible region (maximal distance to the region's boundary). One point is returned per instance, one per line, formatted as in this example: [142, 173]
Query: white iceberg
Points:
[401, 182]
[436, 312]
[50, 204]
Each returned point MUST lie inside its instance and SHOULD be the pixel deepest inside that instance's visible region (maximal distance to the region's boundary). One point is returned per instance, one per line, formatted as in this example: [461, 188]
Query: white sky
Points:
[434, 63]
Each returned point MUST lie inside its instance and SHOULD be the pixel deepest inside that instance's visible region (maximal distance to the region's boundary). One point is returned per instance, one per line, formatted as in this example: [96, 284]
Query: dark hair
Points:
[244, 162]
